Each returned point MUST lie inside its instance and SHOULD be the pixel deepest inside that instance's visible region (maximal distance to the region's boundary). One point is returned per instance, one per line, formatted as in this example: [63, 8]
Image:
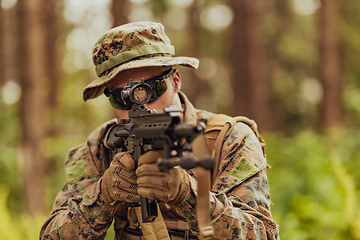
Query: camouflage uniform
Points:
[240, 200]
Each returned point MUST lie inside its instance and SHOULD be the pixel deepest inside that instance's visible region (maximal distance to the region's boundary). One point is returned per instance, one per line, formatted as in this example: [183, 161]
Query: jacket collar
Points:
[190, 111]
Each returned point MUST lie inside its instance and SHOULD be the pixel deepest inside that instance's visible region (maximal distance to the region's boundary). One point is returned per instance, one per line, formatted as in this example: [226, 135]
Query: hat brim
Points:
[96, 87]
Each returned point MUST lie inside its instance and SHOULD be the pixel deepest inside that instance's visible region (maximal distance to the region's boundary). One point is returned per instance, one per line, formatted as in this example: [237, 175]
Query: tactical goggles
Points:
[157, 84]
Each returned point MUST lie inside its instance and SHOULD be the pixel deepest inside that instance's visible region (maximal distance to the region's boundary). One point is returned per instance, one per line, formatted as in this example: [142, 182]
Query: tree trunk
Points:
[34, 83]
[52, 56]
[2, 44]
[193, 90]
[330, 73]
[247, 61]
[119, 12]
[8, 35]
[52, 63]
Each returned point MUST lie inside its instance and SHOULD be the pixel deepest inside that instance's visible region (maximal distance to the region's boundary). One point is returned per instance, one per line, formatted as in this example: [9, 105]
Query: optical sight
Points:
[136, 93]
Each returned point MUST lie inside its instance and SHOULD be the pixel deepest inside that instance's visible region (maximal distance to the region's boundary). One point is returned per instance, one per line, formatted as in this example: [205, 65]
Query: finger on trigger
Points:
[148, 169]
[127, 160]
[151, 157]
[153, 194]
[153, 183]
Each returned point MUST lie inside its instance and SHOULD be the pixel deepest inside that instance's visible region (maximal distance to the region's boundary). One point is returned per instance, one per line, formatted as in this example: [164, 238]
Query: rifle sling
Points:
[153, 230]
[203, 176]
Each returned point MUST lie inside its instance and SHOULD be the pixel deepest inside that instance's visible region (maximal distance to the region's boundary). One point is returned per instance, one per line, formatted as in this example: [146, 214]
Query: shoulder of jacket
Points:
[204, 116]
[218, 121]
[98, 132]
[79, 156]
[220, 124]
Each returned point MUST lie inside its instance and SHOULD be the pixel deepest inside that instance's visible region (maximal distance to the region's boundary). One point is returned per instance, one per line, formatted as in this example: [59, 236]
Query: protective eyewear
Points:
[157, 84]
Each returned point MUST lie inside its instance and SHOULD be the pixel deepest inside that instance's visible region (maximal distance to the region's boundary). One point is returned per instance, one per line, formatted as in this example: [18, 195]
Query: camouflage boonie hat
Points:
[133, 45]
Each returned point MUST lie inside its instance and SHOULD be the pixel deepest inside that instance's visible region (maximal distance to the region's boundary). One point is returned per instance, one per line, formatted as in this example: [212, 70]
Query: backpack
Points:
[215, 133]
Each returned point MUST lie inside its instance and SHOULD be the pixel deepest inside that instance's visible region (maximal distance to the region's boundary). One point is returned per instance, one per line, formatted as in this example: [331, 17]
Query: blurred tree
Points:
[158, 7]
[193, 49]
[277, 22]
[7, 47]
[118, 11]
[330, 73]
[52, 63]
[32, 62]
[247, 61]
[2, 68]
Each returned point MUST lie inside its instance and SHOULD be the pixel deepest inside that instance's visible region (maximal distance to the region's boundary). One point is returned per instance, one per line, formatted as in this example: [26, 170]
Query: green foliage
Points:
[314, 184]
[10, 175]
[17, 226]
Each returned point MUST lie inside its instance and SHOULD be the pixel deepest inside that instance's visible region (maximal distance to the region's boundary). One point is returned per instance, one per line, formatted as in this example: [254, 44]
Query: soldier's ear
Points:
[176, 81]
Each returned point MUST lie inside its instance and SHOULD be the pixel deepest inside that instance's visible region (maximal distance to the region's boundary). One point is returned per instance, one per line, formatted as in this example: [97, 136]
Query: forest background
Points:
[291, 65]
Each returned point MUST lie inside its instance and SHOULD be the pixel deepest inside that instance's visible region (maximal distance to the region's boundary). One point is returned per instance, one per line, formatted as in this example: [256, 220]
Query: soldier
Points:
[100, 182]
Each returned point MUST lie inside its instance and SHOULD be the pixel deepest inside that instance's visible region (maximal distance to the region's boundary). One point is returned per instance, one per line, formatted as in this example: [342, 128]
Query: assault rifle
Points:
[147, 130]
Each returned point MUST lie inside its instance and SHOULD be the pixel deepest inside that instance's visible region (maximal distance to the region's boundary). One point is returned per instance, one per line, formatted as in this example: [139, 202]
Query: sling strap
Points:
[203, 176]
[153, 230]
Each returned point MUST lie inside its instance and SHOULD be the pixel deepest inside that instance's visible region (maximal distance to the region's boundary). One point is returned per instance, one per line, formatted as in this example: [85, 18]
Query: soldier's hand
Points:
[119, 180]
[169, 186]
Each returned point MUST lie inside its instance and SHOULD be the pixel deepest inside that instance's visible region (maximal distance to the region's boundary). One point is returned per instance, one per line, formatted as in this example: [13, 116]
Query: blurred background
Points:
[291, 65]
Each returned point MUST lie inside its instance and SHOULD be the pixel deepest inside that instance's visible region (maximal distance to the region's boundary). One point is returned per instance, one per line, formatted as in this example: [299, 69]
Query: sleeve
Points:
[240, 198]
[78, 211]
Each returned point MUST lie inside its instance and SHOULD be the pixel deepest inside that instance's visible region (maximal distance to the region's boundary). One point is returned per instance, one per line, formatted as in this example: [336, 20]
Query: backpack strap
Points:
[215, 133]
[252, 124]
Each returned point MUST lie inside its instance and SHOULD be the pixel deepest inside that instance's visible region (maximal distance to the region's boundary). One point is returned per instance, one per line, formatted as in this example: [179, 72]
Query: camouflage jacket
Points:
[240, 199]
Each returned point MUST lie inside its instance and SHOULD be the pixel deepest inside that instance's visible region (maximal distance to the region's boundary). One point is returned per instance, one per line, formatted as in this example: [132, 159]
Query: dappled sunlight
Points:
[91, 19]
[306, 7]
[140, 13]
[139, 1]
[176, 19]
[10, 93]
[311, 90]
[180, 3]
[217, 17]
[7, 4]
